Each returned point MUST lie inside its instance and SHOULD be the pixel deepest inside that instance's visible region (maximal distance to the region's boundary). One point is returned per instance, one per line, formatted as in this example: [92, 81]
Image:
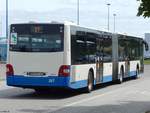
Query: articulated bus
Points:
[64, 55]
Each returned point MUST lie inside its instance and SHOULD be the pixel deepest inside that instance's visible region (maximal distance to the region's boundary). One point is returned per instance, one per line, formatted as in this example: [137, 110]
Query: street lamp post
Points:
[78, 13]
[114, 22]
[6, 19]
[108, 15]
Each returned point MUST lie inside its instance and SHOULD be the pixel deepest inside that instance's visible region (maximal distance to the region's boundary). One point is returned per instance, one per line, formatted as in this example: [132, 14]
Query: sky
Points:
[93, 13]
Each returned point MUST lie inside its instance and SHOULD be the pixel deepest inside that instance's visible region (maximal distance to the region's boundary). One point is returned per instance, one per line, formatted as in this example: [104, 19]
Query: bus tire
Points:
[137, 74]
[120, 79]
[90, 82]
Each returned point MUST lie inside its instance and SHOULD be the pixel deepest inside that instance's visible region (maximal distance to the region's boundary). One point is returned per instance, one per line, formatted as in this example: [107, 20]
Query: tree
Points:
[144, 8]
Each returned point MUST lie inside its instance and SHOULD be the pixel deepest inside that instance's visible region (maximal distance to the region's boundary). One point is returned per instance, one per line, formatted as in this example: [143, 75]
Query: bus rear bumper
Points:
[34, 82]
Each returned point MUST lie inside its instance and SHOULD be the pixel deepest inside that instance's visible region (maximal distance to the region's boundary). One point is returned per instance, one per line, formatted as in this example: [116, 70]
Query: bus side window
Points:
[107, 49]
[78, 49]
[91, 47]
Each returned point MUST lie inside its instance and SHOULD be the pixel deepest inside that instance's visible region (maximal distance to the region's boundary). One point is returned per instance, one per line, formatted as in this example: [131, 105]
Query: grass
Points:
[2, 79]
[147, 61]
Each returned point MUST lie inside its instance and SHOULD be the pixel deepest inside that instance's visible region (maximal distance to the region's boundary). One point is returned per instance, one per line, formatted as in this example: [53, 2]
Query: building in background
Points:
[3, 49]
[147, 39]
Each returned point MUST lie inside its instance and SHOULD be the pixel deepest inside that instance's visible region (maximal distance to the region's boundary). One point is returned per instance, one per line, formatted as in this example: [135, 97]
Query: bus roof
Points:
[69, 23]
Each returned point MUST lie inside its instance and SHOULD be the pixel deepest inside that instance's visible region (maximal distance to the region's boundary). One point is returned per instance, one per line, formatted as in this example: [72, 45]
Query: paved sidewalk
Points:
[4, 86]
[2, 72]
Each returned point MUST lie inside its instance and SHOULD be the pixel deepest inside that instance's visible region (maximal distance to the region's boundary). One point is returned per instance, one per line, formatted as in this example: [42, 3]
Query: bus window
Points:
[91, 48]
[78, 49]
[45, 39]
[107, 49]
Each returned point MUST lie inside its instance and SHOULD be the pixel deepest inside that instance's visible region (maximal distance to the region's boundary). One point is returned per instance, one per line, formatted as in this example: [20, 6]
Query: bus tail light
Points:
[64, 70]
[9, 70]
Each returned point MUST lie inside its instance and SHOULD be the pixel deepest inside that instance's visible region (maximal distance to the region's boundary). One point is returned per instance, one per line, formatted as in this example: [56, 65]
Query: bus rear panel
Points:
[36, 56]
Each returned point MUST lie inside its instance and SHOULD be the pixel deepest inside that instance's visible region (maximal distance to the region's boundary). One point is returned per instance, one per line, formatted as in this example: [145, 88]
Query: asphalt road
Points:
[133, 96]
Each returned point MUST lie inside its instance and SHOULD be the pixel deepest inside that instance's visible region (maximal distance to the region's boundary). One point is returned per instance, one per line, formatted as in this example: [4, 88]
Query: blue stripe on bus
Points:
[22, 81]
[52, 81]
[78, 84]
[132, 73]
[107, 79]
[83, 83]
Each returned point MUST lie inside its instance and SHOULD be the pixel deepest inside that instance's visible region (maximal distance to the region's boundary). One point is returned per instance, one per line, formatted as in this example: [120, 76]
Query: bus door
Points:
[99, 61]
[127, 67]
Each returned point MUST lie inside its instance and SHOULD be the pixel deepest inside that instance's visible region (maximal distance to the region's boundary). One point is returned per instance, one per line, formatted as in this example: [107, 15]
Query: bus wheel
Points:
[137, 74]
[120, 79]
[90, 83]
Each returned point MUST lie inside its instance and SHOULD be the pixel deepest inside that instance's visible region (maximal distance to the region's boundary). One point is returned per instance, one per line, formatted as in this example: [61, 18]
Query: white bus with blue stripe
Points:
[69, 56]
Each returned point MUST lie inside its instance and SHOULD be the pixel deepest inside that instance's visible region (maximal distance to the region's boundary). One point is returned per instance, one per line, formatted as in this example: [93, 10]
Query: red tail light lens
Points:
[64, 70]
[9, 70]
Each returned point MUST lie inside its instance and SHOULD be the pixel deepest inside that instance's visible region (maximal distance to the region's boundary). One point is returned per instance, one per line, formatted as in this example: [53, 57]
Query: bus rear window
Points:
[49, 39]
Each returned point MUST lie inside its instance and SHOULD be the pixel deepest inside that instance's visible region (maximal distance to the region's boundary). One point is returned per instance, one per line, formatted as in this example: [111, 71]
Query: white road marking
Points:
[88, 99]
[84, 100]
[98, 96]
[91, 98]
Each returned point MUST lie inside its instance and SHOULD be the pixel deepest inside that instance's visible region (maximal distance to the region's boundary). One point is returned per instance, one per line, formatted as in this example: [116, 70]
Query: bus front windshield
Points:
[30, 38]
